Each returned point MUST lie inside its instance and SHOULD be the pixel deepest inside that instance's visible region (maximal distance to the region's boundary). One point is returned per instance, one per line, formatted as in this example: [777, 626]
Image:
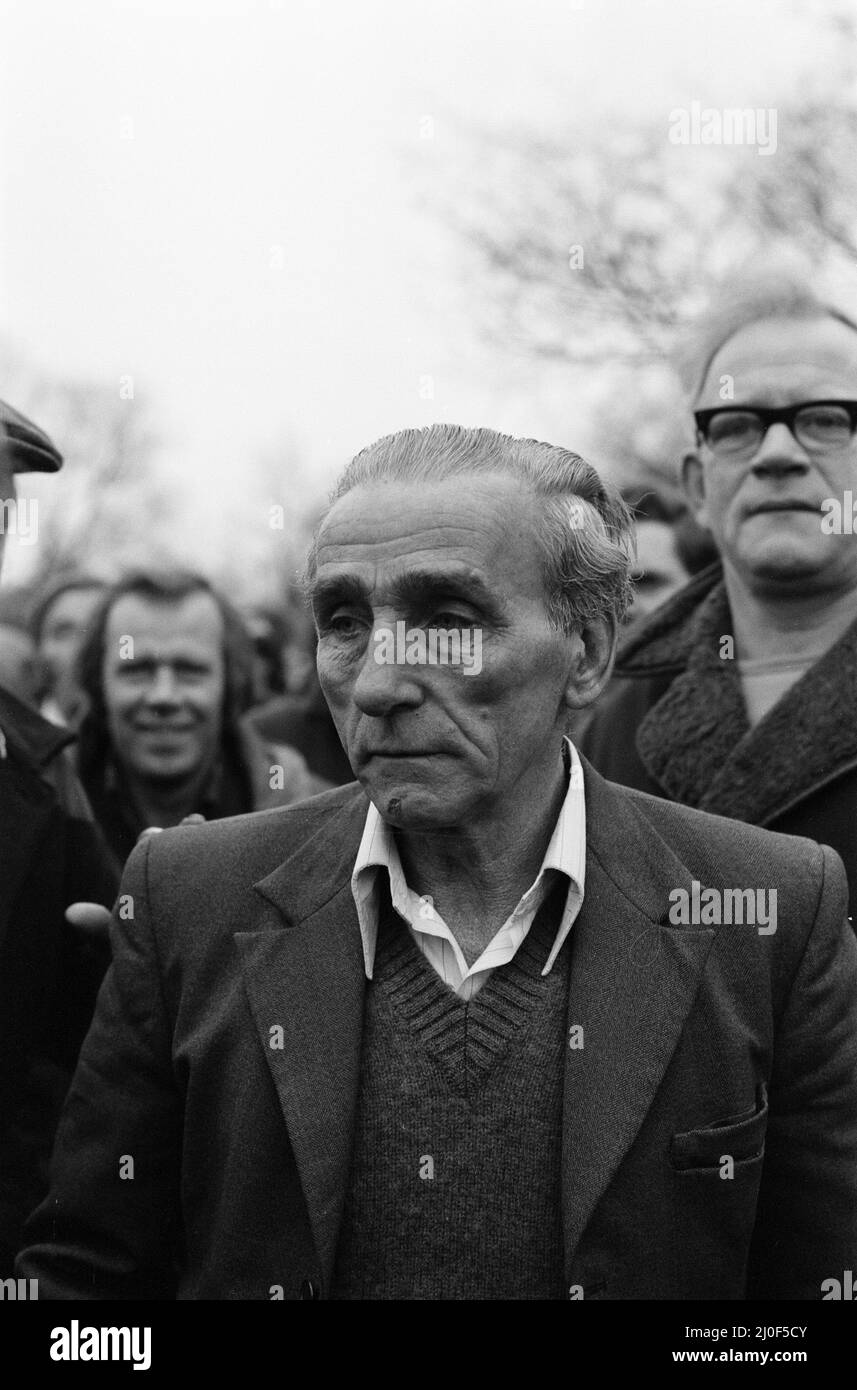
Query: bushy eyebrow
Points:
[414, 586]
[419, 585]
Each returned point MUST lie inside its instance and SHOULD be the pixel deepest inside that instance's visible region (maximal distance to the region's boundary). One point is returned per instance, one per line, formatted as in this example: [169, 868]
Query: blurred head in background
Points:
[60, 620]
[18, 666]
[267, 632]
[659, 570]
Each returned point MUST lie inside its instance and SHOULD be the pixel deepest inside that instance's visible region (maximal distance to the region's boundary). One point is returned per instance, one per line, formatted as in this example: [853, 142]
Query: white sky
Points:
[294, 125]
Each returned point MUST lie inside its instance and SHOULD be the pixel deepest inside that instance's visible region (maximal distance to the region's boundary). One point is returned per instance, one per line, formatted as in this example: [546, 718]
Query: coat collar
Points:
[659, 644]
[695, 741]
[633, 981]
[24, 729]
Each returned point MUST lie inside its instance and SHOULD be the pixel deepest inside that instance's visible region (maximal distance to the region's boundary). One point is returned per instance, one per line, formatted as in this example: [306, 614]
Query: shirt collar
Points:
[565, 854]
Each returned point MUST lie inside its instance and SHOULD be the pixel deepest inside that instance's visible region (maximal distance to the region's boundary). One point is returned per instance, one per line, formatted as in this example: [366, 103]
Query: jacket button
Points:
[308, 1290]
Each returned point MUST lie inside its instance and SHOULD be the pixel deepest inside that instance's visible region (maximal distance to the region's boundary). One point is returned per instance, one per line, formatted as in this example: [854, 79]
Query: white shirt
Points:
[565, 854]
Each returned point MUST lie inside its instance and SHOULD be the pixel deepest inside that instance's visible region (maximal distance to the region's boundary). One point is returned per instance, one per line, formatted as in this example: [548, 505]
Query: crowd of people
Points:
[429, 1027]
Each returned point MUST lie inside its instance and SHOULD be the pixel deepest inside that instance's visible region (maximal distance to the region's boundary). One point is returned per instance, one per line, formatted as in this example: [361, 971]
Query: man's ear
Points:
[595, 648]
[693, 479]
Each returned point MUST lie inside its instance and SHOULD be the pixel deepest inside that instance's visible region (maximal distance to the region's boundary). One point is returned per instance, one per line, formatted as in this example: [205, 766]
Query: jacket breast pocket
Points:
[741, 1138]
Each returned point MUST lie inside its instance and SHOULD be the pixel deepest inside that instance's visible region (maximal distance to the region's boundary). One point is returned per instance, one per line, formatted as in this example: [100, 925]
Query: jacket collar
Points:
[24, 729]
[660, 644]
[695, 741]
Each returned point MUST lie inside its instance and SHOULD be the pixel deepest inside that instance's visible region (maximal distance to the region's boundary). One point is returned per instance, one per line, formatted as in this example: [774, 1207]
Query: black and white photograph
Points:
[428, 671]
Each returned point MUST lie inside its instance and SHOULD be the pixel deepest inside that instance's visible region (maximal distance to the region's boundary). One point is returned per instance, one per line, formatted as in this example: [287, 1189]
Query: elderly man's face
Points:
[164, 694]
[765, 511]
[431, 744]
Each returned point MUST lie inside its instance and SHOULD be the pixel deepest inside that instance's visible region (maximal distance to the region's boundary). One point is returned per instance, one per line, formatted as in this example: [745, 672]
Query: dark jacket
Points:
[50, 856]
[225, 1059]
[673, 723]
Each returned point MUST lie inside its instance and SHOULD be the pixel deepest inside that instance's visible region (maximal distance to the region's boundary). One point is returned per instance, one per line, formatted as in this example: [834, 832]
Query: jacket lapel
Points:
[689, 735]
[805, 741]
[304, 975]
[634, 977]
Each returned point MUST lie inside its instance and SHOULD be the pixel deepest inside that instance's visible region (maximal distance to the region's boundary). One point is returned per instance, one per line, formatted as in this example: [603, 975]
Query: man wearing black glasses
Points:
[739, 695]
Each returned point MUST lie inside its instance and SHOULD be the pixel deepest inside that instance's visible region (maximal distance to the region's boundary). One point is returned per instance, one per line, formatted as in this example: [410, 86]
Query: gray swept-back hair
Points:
[785, 290]
[587, 532]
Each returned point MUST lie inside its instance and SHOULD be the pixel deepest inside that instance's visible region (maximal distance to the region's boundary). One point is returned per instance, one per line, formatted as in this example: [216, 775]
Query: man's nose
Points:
[780, 453]
[164, 689]
[382, 685]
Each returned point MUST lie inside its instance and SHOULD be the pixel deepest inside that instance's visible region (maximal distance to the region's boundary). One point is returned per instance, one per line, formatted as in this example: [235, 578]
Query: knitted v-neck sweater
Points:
[455, 1184]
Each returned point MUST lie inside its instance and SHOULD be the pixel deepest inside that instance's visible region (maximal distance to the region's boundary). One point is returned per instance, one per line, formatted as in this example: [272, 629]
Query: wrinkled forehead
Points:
[483, 525]
[780, 361]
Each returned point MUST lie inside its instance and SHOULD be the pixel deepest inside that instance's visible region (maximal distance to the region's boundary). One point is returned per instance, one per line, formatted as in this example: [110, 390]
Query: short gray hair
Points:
[751, 295]
[587, 532]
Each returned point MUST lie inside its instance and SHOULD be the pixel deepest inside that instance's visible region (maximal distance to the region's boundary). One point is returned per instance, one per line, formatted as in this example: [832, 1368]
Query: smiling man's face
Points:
[765, 511]
[164, 694]
[433, 745]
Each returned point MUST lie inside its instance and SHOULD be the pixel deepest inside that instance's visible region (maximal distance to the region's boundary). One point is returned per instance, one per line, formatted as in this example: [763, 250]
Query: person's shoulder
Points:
[249, 846]
[732, 848]
[27, 735]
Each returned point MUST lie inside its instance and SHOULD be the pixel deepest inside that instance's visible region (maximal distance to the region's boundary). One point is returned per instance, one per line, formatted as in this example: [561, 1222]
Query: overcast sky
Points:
[219, 198]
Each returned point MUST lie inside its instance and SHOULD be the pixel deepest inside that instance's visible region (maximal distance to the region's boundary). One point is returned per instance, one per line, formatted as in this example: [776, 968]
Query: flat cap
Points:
[28, 448]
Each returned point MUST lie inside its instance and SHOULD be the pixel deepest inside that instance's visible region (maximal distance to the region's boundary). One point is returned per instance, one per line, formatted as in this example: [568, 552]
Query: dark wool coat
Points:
[225, 1060]
[50, 855]
[673, 723]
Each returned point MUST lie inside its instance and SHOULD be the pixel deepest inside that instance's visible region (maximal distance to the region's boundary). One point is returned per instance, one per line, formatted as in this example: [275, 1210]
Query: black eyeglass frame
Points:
[785, 415]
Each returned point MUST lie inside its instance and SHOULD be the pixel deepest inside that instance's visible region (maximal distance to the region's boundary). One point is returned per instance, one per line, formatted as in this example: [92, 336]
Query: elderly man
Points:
[461, 1031]
[738, 695]
[166, 672]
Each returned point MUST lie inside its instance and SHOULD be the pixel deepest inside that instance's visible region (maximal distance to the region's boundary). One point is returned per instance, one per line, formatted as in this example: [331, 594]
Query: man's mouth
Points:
[163, 730]
[399, 753]
[785, 505]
